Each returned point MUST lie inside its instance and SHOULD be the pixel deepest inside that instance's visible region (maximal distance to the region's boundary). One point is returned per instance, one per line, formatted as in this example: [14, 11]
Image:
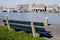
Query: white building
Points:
[24, 7]
[53, 8]
[49, 9]
[38, 7]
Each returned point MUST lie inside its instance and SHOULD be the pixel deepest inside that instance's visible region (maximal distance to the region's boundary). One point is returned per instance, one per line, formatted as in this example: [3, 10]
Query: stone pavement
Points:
[55, 31]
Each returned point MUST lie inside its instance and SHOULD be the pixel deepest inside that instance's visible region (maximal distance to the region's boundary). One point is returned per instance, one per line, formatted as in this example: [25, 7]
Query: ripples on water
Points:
[54, 18]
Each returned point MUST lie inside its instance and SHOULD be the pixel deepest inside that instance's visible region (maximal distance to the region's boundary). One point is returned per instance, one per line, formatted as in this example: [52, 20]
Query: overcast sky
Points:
[13, 3]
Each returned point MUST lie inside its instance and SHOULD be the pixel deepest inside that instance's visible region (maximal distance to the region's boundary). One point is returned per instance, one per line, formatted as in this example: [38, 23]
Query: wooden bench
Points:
[26, 26]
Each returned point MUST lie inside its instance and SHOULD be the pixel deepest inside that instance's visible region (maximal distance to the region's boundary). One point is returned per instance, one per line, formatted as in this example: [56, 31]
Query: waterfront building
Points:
[24, 7]
[18, 7]
[38, 8]
[55, 8]
[11, 9]
[49, 9]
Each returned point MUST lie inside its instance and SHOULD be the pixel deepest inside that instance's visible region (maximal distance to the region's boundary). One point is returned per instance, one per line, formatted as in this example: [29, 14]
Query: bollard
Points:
[46, 22]
[7, 23]
[33, 29]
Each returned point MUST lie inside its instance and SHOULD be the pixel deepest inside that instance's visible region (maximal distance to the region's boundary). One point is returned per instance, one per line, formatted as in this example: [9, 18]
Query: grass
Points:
[13, 35]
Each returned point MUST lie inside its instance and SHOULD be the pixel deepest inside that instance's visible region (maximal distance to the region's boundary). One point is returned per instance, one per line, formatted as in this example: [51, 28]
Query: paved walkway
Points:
[55, 31]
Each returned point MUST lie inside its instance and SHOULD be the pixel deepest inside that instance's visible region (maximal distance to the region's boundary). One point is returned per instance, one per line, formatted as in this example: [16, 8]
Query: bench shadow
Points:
[42, 34]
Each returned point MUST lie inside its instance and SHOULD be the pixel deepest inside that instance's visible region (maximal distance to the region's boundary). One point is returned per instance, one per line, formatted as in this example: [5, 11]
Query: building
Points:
[49, 9]
[55, 8]
[24, 7]
[38, 8]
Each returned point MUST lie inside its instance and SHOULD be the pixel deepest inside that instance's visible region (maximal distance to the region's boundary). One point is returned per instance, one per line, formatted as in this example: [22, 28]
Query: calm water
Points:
[54, 18]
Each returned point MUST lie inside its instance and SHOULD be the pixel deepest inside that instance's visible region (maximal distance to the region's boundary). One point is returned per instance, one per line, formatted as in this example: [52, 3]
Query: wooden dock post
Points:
[46, 22]
[33, 29]
[7, 23]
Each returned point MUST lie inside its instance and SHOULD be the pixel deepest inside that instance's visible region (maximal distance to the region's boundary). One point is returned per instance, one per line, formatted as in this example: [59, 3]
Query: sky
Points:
[14, 3]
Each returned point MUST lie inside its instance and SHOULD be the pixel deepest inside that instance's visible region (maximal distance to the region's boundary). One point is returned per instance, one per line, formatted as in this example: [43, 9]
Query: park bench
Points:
[26, 26]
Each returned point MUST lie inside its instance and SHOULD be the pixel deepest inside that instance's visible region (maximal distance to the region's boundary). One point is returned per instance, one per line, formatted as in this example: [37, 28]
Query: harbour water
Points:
[54, 18]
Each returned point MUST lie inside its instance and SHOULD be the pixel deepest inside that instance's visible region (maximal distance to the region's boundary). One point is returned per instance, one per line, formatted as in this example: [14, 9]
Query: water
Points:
[54, 18]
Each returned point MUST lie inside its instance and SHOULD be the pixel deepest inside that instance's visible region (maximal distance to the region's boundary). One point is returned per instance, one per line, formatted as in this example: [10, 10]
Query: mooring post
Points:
[46, 22]
[7, 21]
[33, 29]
